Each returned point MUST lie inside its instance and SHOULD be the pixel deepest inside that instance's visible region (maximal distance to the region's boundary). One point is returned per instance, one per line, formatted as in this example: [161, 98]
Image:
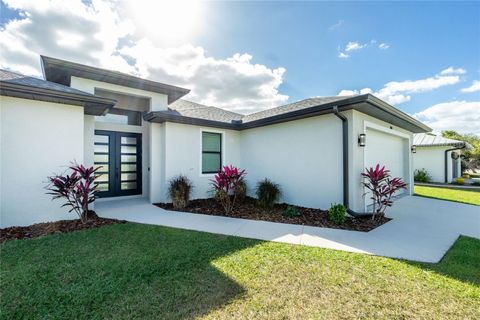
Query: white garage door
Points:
[387, 150]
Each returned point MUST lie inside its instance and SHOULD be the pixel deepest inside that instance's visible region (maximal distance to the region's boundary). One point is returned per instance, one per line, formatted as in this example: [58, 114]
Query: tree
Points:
[472, 157]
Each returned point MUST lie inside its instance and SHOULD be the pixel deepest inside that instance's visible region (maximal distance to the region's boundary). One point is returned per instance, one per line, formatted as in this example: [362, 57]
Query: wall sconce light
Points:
[414, 149]
[362, 138]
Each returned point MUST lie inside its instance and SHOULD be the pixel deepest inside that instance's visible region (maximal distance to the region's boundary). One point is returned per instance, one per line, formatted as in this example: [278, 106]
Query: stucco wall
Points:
[183, 156]
[433, 160]
[303, 156]
[37, 139]
[158, 101]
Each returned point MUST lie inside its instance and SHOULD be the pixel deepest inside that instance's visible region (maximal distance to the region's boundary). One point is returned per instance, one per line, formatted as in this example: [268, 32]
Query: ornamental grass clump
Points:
[179, 190]
[382, 187]
[78, 189]
[227, 186]
[268, 193]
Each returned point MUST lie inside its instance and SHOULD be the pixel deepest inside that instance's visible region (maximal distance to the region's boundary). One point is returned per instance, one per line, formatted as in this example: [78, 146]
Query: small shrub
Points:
[466, 176]
[382, 186]
[337, 213]
[291, 212]
[241, 190]
[421, 175]
[267, 193]
[459, 181]
[78, 189]
[179, 190]
[226, 186]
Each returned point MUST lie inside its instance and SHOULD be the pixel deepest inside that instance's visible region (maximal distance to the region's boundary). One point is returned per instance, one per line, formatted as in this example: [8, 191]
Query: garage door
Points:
[387, 150]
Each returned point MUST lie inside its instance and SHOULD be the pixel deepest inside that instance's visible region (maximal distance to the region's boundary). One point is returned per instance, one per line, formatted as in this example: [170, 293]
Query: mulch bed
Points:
[61, 226]
[248, 209]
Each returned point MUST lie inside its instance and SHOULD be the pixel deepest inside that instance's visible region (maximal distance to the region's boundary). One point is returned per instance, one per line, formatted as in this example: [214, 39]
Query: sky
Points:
[421, 57]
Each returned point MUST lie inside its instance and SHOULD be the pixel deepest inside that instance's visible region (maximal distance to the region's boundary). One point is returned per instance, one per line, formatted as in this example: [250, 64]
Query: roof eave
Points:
[61, 71]
[161, 117]
[421, 127]
[93, 105]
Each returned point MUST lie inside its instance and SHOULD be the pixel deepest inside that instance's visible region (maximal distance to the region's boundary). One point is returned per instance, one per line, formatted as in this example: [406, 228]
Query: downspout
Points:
[346, 200]
[446, 160]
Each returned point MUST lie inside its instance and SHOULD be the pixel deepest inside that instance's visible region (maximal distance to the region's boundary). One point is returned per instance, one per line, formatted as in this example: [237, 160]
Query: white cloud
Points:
[80, 32]
[351, 46]
[101, 34]
[473, 88]
[383, 46]
[396, 92]
[234, 83]
[461, 116]
[336, 25]
[452, 70]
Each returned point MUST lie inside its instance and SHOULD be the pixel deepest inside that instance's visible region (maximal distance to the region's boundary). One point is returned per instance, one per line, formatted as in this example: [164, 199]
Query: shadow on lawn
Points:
[122, 271]
[461, 262]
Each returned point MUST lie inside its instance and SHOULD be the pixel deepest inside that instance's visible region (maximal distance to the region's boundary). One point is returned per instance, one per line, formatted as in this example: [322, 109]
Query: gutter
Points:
[346, 200]
[446, 159]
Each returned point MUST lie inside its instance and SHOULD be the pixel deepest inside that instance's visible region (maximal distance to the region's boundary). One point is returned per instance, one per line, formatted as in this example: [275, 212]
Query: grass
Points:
[140, 271]
[464, 196]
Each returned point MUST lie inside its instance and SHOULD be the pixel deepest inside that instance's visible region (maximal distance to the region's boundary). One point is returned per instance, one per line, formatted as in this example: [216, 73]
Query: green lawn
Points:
[139, 271]
[464, 196]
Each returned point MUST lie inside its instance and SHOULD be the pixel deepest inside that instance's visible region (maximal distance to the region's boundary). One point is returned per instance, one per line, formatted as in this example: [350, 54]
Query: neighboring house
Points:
[142, 134]
[439, 156]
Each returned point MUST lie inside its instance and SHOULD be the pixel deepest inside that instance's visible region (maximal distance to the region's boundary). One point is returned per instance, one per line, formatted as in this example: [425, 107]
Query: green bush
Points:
[337, 213]
[291, 212]
[241, 190]
[179, 190]
[421, 175]
[267, 193]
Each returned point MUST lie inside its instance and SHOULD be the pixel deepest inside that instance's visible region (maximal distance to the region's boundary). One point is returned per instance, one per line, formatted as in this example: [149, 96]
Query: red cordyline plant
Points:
[78, 189]
[226, 184]
[383, 187]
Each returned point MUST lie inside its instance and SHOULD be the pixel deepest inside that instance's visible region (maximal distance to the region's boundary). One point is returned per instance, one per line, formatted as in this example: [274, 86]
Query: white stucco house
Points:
[142, 133]
[439, 156]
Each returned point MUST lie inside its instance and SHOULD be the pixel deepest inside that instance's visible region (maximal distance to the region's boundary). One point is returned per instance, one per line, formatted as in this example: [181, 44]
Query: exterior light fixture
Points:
[414, 149]
[362, 139]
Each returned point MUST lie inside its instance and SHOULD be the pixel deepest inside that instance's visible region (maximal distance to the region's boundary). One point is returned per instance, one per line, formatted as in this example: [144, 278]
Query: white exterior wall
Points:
[183, 155]
[158, 101]
[362, 123]
[304, 157]
[432, 159]
[37, 139]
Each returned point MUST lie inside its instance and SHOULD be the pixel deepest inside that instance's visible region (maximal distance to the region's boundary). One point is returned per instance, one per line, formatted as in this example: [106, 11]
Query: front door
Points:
[119, 154]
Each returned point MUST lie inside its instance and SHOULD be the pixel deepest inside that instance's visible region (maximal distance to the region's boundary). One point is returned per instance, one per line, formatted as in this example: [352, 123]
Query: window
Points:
[211, 152]
[121, 116]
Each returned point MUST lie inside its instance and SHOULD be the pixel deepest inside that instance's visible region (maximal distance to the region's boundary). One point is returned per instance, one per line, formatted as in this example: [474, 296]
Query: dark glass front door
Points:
[119, 154]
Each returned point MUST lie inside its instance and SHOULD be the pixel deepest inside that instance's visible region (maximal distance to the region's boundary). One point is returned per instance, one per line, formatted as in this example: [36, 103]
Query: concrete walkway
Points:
[422, 229]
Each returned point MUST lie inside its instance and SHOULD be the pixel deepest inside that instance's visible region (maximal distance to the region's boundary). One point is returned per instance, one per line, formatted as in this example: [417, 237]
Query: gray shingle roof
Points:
[432, 140]
[196, 114]
[19, 79]
[299, 105]
[195, 110]
[200, 111]
[16, 85]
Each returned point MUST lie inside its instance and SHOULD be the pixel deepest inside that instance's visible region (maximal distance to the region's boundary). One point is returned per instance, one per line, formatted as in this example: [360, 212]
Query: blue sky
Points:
[424, 38]
[292, 50]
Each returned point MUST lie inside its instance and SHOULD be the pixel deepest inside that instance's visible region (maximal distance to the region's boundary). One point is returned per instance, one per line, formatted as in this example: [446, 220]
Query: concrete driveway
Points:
[422, 229]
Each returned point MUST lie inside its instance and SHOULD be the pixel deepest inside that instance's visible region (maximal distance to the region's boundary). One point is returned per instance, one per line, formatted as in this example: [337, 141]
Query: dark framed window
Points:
[211, 152]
